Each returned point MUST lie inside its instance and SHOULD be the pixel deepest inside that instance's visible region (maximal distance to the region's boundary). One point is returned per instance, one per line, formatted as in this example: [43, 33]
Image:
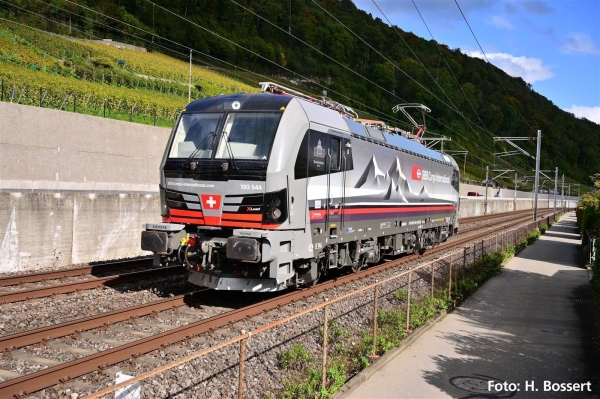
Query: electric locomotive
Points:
[261, 192]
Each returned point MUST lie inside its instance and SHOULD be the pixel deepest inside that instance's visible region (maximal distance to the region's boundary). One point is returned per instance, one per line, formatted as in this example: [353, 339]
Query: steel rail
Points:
[61, 373]
[473, 219]
[22, 295]
[39, 335]
[541, 215]
[21, 339]
[118, 265]
[73, 272]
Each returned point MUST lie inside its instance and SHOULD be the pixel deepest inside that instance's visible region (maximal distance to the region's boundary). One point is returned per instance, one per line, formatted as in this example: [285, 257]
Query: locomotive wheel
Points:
[319, 275]
[361, 262]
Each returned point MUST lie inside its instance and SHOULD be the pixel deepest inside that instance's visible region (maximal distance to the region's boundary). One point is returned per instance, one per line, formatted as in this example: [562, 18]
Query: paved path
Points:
[520, 327]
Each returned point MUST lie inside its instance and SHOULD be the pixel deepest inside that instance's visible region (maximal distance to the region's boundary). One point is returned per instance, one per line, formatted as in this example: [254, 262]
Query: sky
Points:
[552, 44]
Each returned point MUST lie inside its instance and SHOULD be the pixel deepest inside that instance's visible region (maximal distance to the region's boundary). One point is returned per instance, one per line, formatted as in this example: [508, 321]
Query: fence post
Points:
[154, 116]
[104, 107]
[40, 96]
[450, 279]
[482, 253]
[325, 323]
[74, 103]
[2, 85]
[375, 310]
[432, 279]
[242, 368]
[86, 103]
[408, 303]
[63, 103]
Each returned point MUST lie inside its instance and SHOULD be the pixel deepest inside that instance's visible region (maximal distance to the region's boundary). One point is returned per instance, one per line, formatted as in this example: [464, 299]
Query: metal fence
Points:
[89, 104]
[359, 305]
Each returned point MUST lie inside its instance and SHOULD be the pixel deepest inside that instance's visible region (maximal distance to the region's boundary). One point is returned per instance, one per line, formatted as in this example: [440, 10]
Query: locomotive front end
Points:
[225, 199]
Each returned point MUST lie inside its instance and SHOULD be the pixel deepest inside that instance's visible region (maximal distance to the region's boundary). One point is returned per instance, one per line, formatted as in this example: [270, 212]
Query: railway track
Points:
[69, 370]
[100, 268]
[47, 288]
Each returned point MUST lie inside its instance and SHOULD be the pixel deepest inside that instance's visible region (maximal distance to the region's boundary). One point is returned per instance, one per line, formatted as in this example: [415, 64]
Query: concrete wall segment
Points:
[45, 145]
[35, 231]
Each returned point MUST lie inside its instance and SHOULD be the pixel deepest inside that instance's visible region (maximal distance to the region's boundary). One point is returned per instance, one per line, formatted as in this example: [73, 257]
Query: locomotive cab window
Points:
[195, 133]
[248, 135]
[334, 150]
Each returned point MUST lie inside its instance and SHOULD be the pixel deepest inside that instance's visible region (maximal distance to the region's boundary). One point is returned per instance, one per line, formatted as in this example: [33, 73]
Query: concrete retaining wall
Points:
[40, 230]
[44, 149]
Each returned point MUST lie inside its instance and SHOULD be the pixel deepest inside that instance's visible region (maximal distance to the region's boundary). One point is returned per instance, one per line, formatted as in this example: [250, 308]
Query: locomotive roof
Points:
[248, 102]
[316, 113]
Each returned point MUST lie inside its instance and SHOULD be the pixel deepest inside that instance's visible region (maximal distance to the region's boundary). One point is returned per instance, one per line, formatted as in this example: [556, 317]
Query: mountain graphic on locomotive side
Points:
[260, 192]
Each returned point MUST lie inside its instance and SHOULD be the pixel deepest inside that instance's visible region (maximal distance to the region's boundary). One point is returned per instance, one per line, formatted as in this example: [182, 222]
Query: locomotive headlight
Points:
[276, 206]
[275, 213]
[164, 209]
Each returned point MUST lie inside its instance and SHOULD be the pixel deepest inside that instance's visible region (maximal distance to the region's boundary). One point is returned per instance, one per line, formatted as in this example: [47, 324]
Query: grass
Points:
[353, 351]
[40, 65]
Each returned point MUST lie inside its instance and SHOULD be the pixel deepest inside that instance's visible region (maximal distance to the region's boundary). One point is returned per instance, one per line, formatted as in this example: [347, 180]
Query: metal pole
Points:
[375, 310]
[515, 197]
[190, 80]
[555, 187]
[432, 280]
[537, 173]
[485, 204]
[325, 322]
[408, 303]
[562, 192]
[242, 367]
[450, 279]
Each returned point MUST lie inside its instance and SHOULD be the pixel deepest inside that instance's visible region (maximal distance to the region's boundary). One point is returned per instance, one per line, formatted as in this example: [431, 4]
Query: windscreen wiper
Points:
[201, 146]
[230, 151]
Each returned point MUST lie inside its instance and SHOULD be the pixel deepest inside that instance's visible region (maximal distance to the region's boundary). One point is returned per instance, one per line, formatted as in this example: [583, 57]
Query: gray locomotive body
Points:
[260, 192]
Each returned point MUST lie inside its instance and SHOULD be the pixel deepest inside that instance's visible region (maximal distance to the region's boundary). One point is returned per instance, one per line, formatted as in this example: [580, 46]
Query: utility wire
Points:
[384, 57]
[387, 59]
[373, 111]
[173, 50]
[449, 68]
[423, 65]
[260, 56]
[318, 51]
[497, 77]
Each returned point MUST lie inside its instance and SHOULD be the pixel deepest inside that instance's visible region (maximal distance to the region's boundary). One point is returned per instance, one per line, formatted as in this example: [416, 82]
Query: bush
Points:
[543, 228]
[297, 356]
[532, 237]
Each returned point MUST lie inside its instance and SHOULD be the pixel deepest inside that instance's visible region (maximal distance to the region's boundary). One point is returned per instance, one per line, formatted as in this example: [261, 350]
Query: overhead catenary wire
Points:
[449, 68]
[494, 72]
[178, 44]
[425, 68]
[258, 55]
[372, 111]
[319, 51]
[384, 57]
[387, 59]
[339, 63]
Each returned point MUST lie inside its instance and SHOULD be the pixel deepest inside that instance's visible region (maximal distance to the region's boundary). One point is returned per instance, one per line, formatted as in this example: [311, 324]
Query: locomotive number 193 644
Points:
[251, 186]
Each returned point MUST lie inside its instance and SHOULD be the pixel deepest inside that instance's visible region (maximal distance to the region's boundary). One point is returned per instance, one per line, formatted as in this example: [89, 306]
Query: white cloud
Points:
[590, 113]
[530, 69]
[579, 43]
[501, 22]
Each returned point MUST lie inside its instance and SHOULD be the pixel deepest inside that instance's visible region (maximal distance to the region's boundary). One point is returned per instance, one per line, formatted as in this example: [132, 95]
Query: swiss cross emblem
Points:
[211, 201]
[417, 173]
